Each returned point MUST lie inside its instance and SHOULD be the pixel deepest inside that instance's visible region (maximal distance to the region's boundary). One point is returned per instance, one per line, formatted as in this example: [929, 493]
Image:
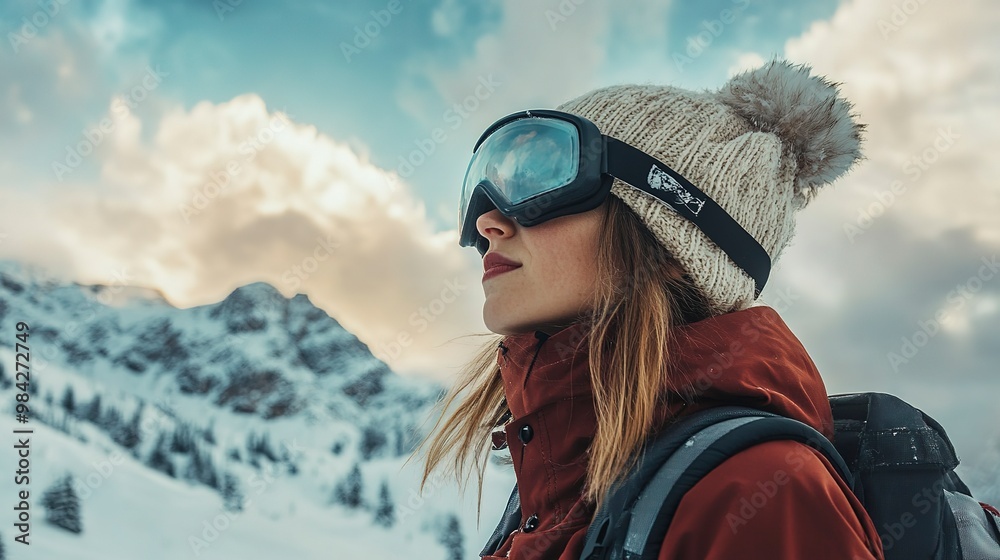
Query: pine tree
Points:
[385, 515]
[159, 459]
[209, 433]
[62, 505]
[372, 442]
[451, 538]
[111, 419]
[68, 400]
[349, 491]
[92, 412]
[202, 469]
[261, 445]
[127, 434]
[210, 475]
[232, 495]
[182, 440]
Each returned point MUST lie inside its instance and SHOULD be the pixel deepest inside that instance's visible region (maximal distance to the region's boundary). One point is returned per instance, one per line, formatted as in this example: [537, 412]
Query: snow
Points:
[130, 510]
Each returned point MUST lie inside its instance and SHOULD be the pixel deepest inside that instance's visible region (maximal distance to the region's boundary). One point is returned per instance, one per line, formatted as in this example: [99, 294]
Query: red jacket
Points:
[777, 500]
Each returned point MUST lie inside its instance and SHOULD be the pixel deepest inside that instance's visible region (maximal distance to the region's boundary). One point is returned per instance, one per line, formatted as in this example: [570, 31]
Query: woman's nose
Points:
[495, 224]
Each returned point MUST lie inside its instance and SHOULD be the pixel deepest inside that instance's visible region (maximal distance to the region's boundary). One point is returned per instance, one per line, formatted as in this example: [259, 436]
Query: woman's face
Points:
[555, 283]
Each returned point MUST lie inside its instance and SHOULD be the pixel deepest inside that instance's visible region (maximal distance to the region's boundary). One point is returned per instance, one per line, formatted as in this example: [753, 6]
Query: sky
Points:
[194, 147]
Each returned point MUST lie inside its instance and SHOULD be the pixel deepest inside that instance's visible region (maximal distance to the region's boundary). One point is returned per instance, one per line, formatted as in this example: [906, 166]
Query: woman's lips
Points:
[498, 269]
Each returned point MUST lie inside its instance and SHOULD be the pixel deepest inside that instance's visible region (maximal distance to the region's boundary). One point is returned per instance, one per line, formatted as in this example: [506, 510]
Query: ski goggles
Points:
[541, 164]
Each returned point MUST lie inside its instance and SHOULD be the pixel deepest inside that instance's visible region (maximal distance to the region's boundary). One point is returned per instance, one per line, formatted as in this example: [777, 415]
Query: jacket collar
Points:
[748, 357]
[539, 369]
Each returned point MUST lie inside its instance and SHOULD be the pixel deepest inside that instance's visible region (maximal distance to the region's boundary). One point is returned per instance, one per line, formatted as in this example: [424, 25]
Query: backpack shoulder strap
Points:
[656, 505]
[612, 518]
[509, 521]
[721, 432]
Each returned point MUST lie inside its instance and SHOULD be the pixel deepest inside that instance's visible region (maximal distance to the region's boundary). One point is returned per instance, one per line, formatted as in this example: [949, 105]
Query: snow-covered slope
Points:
[256, 427]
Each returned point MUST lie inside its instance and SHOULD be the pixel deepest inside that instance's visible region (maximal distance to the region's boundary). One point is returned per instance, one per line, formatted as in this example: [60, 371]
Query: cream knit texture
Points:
[737, 159]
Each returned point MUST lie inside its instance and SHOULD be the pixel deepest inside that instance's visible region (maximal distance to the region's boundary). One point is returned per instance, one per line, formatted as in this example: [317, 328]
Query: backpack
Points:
[897, 460]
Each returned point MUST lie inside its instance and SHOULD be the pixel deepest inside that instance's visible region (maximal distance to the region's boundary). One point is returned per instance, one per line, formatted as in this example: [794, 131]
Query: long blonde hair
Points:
[641, 294]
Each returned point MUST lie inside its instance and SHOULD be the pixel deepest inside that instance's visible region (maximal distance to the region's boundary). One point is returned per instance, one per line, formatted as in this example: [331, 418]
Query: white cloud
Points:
[302, 211]
[745, 61]
[116, 23]
[446, 18]
[927, 85]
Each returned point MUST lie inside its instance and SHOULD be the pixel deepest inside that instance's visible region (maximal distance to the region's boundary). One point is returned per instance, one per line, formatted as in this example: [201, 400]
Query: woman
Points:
[621, 313]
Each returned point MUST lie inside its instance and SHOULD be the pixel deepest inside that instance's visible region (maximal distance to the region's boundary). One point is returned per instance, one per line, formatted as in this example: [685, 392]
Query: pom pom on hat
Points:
[806, 114]
[760, 146]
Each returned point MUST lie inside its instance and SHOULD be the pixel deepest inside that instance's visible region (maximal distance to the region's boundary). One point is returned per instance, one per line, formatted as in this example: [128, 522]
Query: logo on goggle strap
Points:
[659, 179]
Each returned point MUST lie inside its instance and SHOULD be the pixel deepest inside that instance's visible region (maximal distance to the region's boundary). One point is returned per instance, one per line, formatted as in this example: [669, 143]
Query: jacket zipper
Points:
[542, 337]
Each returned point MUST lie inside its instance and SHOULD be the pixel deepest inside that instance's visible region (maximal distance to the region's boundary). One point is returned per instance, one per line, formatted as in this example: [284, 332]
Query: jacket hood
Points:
[748, 357]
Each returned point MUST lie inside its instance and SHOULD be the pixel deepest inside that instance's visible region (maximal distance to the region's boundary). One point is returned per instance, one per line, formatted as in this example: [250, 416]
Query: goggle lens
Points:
[523, 159]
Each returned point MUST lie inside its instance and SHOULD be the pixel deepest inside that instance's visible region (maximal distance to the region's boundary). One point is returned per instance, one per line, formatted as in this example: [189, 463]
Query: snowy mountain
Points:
[255, 427]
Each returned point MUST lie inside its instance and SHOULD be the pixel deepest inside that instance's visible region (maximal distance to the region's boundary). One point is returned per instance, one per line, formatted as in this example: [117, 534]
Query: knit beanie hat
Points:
[761, 147]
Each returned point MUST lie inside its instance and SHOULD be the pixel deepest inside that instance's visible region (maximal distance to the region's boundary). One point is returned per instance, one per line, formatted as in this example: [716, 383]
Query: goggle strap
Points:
[650, 175]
